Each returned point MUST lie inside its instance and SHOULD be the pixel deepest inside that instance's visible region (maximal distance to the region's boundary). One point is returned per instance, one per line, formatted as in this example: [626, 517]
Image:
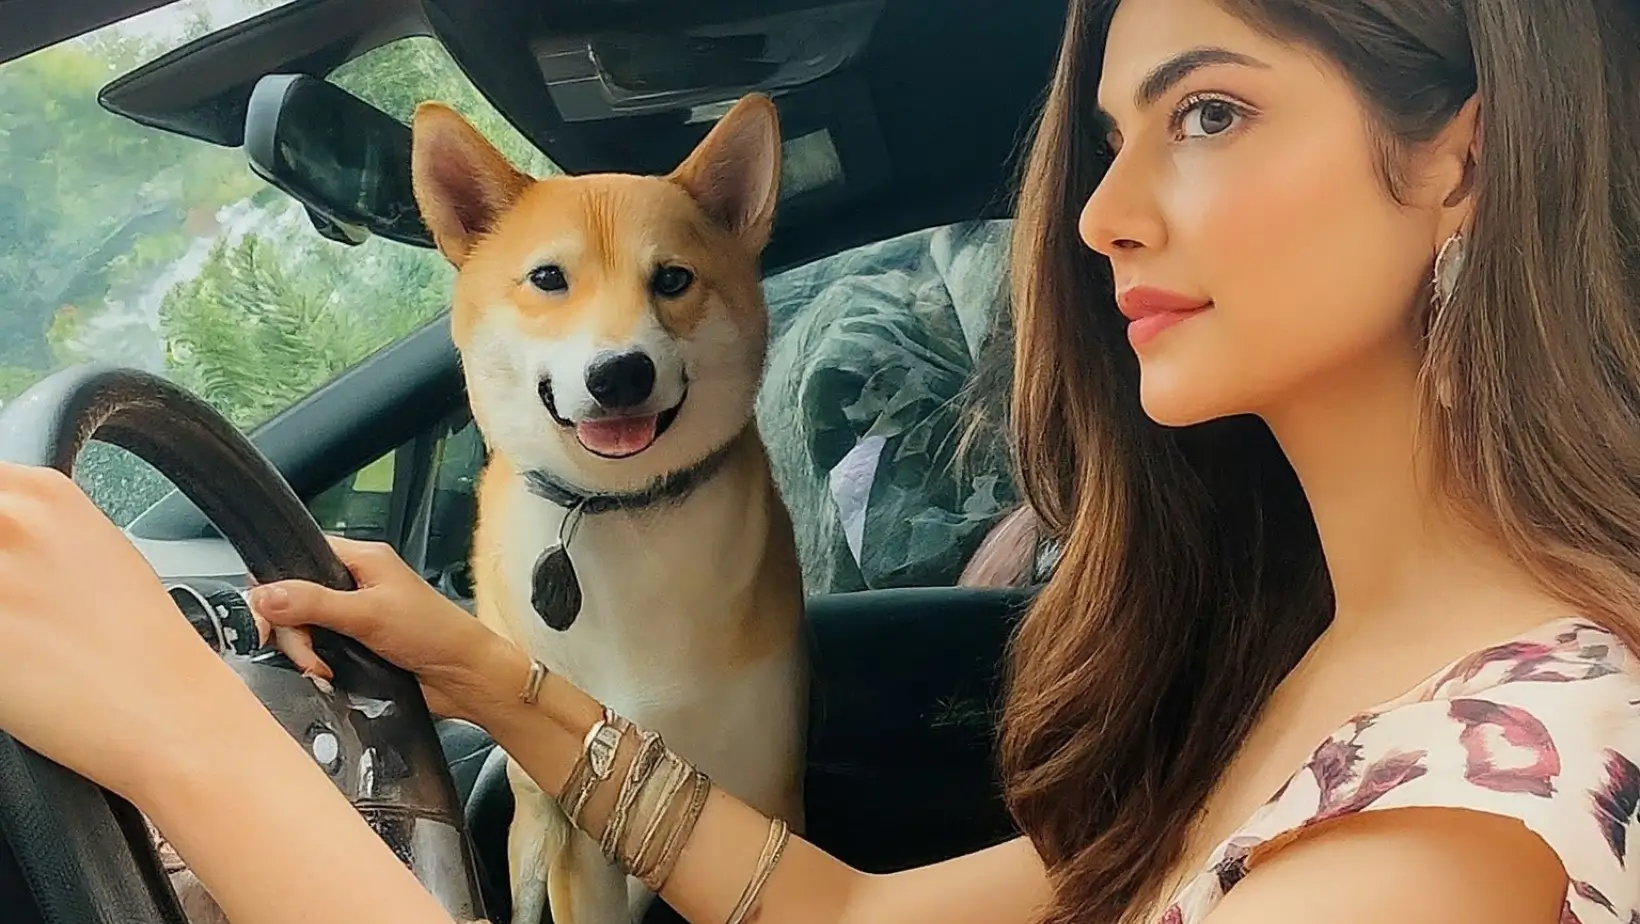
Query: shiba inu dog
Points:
[612, 332]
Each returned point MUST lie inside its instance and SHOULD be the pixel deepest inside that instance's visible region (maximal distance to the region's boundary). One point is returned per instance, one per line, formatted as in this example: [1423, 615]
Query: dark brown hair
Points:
[1192, 579]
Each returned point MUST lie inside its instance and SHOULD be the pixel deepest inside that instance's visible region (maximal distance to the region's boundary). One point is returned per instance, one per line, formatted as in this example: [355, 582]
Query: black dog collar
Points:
[669, 488]
[555, 590]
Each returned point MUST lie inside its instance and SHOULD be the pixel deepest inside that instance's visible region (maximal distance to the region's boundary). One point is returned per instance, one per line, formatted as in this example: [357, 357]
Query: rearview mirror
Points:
[345, 160]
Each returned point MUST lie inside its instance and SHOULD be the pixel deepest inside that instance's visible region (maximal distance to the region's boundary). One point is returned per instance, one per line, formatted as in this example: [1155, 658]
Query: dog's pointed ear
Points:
[734, 173]
[462, 183]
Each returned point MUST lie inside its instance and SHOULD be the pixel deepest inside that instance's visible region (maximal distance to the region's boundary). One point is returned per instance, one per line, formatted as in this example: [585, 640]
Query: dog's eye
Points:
[672, 281]
[549, 278]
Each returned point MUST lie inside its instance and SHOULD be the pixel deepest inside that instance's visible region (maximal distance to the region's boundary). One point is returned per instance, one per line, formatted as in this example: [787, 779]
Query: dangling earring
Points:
[1448, 266]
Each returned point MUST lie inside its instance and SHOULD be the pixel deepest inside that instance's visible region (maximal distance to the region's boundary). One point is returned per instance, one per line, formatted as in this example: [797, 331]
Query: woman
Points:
[1352, 517]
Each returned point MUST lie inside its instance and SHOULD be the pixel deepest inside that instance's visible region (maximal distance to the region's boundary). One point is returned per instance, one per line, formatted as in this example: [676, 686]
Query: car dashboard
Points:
[184, 560]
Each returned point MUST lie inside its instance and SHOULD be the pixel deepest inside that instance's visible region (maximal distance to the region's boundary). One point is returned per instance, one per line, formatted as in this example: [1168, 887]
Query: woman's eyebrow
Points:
[1164, 76]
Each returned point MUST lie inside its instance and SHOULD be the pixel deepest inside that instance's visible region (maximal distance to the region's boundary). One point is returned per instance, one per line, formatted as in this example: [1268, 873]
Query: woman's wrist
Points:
[475, 685]
[507, 701]
[536, 716]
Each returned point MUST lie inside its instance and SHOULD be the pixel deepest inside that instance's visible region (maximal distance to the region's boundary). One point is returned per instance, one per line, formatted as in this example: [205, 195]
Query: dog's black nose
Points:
[621, 380]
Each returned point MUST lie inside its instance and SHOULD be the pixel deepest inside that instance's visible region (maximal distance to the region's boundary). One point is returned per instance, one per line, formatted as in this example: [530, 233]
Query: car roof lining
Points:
[951, 87]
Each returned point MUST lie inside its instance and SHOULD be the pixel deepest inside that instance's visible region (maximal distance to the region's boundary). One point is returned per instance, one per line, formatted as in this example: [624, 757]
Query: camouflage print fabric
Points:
[863, 407]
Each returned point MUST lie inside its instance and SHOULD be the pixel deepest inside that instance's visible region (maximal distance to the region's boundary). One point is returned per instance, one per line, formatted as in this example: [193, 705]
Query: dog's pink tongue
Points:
[621, 436]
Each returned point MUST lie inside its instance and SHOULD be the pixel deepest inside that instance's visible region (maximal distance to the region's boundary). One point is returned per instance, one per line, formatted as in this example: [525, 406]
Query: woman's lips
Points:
[1151, 311]
[1150, 326]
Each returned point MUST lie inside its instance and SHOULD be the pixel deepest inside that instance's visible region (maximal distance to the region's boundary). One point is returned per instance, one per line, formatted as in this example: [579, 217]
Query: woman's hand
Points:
[98, 669]
[400, 617]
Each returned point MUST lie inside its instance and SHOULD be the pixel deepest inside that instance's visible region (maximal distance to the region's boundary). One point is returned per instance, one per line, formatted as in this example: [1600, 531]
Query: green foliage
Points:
[126, 244]
[14, 380]
[398, 77]
[77, 188]
[264, 324]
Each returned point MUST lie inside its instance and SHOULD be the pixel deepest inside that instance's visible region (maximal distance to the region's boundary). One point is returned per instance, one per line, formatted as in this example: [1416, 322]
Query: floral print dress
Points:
[1544, 728]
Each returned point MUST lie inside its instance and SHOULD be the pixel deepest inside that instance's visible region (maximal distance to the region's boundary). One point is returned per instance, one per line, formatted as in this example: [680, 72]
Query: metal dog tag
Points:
[556, 591]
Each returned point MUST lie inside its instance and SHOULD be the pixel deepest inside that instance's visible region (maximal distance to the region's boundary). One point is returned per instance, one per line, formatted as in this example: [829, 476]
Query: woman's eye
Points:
[549, 278]
[1207, 117]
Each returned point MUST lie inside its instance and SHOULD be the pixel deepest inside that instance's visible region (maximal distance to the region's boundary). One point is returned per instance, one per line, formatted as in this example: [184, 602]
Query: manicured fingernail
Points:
[269, 599]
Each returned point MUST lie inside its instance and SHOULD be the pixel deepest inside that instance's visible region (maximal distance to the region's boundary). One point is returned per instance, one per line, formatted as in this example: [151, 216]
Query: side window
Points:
[452, 508]
[124, 244]
[360, 507]
[453, 504]
[421, 498]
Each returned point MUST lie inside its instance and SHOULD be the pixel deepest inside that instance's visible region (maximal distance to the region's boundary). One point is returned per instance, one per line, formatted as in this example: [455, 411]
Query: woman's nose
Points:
[1121, 215]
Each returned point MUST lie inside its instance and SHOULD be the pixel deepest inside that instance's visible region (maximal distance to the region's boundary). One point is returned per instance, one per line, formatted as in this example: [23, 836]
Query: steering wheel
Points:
[84, 852]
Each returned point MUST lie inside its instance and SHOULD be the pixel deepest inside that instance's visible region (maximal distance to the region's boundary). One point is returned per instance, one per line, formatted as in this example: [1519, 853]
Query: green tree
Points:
[14, 380]
[74, 194]
[126, 244]
[398, 77]
[135, 246]
[93, 206]
[263, 324]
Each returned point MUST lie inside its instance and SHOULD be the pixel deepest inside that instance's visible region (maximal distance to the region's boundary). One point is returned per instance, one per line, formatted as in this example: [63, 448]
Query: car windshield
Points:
[124, 244]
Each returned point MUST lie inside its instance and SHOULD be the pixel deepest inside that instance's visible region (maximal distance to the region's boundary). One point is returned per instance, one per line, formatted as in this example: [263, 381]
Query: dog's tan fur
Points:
[692, 619]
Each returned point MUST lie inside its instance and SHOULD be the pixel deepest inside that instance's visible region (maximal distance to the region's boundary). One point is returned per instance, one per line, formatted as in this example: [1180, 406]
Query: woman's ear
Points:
[1462, 147]
[1453, 168]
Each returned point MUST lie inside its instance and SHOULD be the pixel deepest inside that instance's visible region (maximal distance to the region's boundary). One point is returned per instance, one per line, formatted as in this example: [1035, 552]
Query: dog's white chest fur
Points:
[659, 640]
[654, 638]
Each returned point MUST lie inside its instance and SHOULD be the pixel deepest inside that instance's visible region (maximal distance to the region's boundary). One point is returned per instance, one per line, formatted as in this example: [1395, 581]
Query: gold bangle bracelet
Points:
[532, 686]
[678, 836]
[596, 763]
[779, 834]
[650, 750]
[646, 807]
[676, 778]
